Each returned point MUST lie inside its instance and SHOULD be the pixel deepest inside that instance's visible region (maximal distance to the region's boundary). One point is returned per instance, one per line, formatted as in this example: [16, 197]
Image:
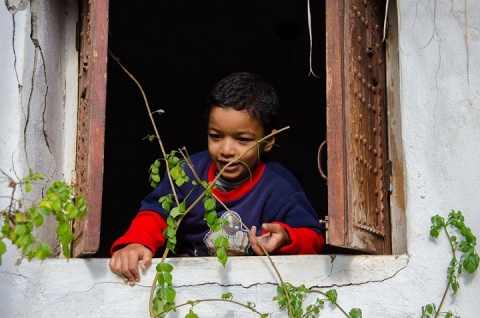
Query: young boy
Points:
[241, 109]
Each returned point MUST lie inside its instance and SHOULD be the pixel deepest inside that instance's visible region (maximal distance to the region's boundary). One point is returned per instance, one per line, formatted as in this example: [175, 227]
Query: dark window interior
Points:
[177, 51]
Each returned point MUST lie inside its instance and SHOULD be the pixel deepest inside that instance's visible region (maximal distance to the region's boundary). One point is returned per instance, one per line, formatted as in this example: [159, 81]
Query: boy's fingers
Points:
[146, 260]
[272, 227]
[253, 231]
[253, 240]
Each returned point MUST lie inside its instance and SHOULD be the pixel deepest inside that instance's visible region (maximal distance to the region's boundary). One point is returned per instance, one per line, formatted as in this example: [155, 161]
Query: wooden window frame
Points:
[358, 179]
[93, 48]
[357, 149]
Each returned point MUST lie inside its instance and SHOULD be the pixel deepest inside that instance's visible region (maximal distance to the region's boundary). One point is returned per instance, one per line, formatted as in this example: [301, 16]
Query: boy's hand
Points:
[125, 263]
[275, 237]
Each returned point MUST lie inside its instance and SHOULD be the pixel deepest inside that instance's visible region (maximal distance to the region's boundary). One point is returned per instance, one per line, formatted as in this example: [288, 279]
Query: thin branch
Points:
[385, 21]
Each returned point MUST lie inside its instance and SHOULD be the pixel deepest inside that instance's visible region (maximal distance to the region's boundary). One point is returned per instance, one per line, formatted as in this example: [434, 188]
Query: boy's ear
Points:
[270, 142]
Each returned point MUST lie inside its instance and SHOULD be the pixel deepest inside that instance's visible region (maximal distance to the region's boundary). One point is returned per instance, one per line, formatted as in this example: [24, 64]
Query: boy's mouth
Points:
[231, 167]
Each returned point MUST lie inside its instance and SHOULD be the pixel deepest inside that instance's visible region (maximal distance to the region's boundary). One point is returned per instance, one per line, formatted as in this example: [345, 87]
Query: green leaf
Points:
[167, 267]
[28, 251]
[66, 238]
[154, 170]
[171, 223]
[44, 206]
[66, 250]
[172, 242]
[71, 211]
[54, 201]
[23, 240]
[209, 204]
[43, 251]
[332, 295]
[159, 267]
[227, 296]
[166, 202]
[38, 221]
[429, 308]
[175, 212]
[180, 181]
[3, 248]
[355, 313]
[81, 204]
[210, 217]
[219, 224]
[221, 241]
[471, 263]
[20, 229]
[62, 228]
[19, 218]
[176, 172]
[222, 255]
[168, 277]
[161, 279]
[159, 111]
[170, 294]
[61, 218]
[191, 314]
[169, 232]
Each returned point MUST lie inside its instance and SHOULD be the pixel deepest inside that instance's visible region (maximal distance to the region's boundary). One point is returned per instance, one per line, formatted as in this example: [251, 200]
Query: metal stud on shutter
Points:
[358, 201]
[367, 116]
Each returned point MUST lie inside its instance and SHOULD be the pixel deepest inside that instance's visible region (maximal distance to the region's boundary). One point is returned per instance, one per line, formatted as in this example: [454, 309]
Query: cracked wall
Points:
[440, 111]
[40, 130]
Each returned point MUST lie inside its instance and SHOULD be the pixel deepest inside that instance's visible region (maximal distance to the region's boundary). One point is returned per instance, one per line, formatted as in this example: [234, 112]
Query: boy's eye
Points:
[244, 140]
[215, 136]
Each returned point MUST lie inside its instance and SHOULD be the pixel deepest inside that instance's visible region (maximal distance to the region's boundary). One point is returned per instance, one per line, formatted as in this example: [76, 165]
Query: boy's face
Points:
[230, 134]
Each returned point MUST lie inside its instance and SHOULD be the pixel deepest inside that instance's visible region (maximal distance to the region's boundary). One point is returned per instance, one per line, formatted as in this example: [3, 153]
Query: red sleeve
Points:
[147, 229]
[302, 241]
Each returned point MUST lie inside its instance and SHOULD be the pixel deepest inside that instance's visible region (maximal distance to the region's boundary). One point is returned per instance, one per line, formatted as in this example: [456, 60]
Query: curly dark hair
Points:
[246, 91]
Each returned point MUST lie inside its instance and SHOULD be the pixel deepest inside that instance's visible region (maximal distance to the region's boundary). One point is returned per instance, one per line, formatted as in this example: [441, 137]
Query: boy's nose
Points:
[227, 148]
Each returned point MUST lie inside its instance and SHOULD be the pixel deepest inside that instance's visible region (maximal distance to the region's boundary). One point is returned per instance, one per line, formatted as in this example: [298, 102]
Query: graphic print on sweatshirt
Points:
[236, 234]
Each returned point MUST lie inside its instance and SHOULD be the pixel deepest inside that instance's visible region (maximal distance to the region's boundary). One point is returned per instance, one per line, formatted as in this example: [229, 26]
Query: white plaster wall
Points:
[12, 50]
[38, 89]
[439, 93]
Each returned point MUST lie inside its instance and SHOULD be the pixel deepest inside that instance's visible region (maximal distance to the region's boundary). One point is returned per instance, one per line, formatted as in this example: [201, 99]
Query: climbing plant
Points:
[163, 294]
[464, 256]
[19, 219]
[289, 297]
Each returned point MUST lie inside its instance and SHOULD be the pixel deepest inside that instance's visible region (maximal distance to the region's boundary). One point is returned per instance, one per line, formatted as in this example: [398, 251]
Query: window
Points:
[359, 168]
[91, 126]
[177, 52]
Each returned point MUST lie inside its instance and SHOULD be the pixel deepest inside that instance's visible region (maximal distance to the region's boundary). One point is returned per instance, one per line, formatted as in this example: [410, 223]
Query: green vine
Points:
[162, 296]
[465, 246]
[60, 200]
[289, 297]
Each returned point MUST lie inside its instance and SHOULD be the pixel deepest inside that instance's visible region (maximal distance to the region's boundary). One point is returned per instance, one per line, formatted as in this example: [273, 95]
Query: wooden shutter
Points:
[358, 208]
[93, 41]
